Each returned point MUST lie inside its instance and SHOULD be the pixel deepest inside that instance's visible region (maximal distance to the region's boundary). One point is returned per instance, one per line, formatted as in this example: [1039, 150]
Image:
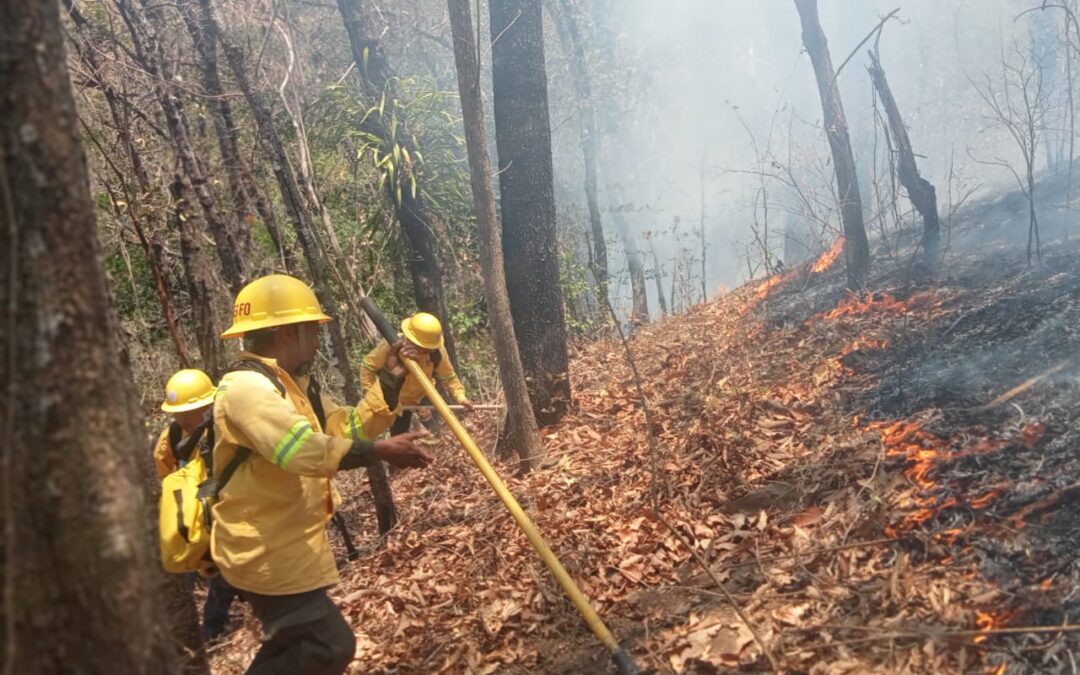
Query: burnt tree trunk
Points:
[526, 188]
[571, 36]
[921, 191]
[292, 197]
[80, 569]
[524, 432]
[856, 247]
[376, 82]
[149, 52]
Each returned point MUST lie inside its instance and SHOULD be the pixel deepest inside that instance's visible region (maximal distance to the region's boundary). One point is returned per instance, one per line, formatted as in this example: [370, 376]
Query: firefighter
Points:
[424, 332]
[269, 538]
[189, 399]
[189, 393]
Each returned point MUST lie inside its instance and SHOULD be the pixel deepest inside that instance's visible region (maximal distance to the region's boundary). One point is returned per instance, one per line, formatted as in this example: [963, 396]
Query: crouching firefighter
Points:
[186, 443]
[423, 334]
[276, 461]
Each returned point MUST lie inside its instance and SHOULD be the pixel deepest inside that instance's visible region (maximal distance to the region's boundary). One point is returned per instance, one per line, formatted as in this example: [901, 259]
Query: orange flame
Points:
[829, 257]
[884, 303]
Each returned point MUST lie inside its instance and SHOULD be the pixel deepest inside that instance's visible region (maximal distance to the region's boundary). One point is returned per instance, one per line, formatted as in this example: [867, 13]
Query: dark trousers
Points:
[304, 634]
[219, 597]
[402, 423]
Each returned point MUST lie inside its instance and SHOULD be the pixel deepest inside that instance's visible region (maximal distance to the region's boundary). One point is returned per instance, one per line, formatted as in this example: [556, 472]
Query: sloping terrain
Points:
[883, 482]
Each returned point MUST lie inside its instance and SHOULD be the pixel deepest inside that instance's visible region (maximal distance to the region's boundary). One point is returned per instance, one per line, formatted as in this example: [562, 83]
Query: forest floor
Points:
[887, 482]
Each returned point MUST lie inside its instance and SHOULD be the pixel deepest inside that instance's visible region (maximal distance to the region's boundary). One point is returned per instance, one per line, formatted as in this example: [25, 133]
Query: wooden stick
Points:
[1021, 388]
[945, 634]
[492, 406]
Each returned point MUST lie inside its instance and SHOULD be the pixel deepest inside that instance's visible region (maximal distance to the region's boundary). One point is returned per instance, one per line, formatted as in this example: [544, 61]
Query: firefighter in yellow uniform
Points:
[269, 537]
[189, 394]
[423, 331]
[189, 398]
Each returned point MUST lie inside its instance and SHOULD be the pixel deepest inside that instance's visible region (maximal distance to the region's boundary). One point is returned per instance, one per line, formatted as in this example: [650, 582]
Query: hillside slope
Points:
[883, 482]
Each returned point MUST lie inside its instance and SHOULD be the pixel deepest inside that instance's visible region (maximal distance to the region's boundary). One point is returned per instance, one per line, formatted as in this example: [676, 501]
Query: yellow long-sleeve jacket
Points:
[164, 460]
[382, 417]
[269, 532]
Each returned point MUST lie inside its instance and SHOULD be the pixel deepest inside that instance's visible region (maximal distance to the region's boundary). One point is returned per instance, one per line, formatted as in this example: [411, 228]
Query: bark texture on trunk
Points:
[524, 432]
[526, 188]
[144, 26]
[376, 81]
[202, 289]
[80, 570]
[856, 247]
[922, 192]
[292, 197]
[242, 190]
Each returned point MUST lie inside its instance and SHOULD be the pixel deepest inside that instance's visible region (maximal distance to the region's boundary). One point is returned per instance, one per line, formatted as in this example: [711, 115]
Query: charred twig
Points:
[1022, 387]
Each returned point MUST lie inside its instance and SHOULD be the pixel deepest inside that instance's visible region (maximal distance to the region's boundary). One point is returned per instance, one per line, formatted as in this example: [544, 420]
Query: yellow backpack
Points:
[187, 495]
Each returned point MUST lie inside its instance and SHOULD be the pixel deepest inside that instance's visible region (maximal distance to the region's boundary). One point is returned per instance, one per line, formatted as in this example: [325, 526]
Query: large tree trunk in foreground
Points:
[856, 247]
[519, 409]
[292, 197]
[921, 191]
[376, 82]
[80, 573]
[526, 187]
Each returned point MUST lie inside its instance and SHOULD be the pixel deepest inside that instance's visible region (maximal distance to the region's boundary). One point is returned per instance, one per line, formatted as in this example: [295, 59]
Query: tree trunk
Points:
[571, 36]
[242, 189]
[530, 244]
[80, 571]
[134, 209]
[149, 52]
[519, 409]
[292, 197]
[856, 247]
[921, 191]
[639, 313]
[376, 82]
[200, 279]
[658, 279]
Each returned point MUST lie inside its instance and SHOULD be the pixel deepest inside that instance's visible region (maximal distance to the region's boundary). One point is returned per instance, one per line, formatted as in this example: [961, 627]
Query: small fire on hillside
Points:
[884, 303]
[925, 454]
[829, 257]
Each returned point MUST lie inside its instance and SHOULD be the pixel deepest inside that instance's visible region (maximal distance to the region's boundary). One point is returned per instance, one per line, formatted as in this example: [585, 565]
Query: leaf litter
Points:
[833, 457]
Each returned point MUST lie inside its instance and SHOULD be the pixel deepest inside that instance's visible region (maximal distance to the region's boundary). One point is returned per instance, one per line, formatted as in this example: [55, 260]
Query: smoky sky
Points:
[722, 84]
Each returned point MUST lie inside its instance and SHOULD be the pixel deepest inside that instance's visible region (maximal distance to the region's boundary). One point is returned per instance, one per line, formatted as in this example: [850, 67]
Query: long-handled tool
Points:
[479, 406]
[624, 662]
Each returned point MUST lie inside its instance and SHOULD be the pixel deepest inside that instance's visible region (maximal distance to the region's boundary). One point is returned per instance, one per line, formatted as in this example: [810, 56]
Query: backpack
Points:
[189, 493]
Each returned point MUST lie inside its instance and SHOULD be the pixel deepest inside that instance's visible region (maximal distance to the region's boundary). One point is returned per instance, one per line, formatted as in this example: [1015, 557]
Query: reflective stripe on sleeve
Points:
[356, 430]
[291, 443]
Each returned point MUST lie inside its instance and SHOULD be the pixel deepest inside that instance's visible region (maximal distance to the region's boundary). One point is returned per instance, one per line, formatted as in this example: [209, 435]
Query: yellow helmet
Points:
[274, 300]
[424, 330]
[188, 389]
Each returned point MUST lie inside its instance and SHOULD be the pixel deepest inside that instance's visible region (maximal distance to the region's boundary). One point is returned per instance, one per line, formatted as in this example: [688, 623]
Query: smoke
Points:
[717, 99]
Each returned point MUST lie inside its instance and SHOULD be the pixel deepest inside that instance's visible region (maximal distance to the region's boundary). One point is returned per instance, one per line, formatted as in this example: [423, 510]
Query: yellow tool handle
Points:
[571, 589]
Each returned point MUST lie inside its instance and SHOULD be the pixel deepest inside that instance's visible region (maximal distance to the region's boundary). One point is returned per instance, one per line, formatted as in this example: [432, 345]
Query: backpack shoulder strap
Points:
[257, 366]
[242, 453]
[314, 394]
[176, 433]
